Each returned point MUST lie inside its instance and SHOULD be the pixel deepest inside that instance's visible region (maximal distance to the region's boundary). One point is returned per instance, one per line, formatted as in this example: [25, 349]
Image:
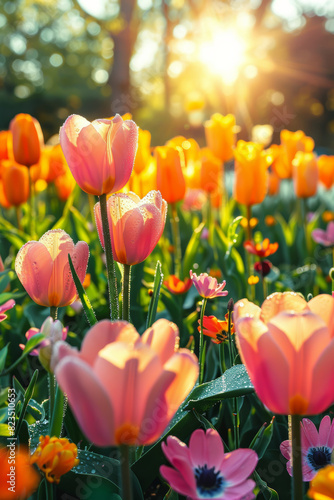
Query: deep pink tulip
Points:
[100, 154]
[317, 447]
[43, 268]
[287, 346]
[135, 225]
[325, 238]
[123, 388]
[207, 286]
[7, 305]
[202, 470]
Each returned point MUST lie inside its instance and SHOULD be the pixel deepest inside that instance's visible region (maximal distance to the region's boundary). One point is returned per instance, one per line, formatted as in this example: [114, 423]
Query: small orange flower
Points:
[55, 456]
[263, 249]
[252, 280]
[18, 479]
[253, 222]
[328, 216]
[215, 273]
[269, 220]
[177, 286]
[215, 328]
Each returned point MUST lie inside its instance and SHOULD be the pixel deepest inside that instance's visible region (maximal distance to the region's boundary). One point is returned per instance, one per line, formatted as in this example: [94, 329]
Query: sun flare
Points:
[224, 54]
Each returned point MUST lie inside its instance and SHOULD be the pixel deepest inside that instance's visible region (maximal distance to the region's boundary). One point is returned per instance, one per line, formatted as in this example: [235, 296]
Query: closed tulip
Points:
[220, 135]
[135, 225]
[305, 174]
[6, 145]
[326, 170]
[287, 346]
[143, 156]
[212, 171]
[65, 184]
[170, 178]
[15, 180]
[292, 142]
[100, 154]
[27, 139]
[251, 176]
[43, 268]
[124, 388]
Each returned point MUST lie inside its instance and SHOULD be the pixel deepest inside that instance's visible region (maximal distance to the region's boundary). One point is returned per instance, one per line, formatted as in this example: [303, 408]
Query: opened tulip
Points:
[27, 139]
[43, 268]
[100, 154]
[220, 135]
[176, 286]
[207, 286]
[170, 177]
[124, 388]
[287, 346]
[251, 176]
[305, 174]
[135, 225]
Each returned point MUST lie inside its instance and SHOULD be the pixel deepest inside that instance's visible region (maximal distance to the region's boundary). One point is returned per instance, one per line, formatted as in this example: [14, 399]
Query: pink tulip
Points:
[287, 346]
[202, 470]
[317, 447]
[123, 388]
[53, 331]
[100, 154]
[325, 238]
[43, 268]
[207, 286]
[7, 305]
[135, 225]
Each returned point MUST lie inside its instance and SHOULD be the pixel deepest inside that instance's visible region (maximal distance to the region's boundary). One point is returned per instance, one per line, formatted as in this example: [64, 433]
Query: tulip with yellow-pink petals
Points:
[124, 388]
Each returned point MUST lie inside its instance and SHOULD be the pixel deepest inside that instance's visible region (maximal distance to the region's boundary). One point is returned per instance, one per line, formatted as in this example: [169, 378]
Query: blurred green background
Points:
[171, 63]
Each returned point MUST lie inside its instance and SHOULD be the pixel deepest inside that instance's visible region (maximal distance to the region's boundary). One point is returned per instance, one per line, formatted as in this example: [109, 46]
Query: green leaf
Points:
[232, 234]
[262, 439]
[40, 428]
[89, 311]
[152, 308]
[33, 342]
[4, 430]
[268, 493]
[235, 382]
[58, 413]
[36, 410]
[27, 397]
[191, 250]
[3, 357]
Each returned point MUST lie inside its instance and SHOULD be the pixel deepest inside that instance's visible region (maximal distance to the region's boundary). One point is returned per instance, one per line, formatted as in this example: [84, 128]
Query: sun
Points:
[224, 54]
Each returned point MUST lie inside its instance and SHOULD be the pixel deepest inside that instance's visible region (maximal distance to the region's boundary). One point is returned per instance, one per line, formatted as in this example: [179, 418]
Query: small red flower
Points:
[177, 286]
[215, 328]
[263, 249]
[263, 267]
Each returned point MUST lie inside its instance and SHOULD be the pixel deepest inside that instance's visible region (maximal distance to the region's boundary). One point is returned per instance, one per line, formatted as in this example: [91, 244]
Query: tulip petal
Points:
[323, 306]
[88, 400]
[162, 337]
[79, 256]
[245, 308]
[278, 302]
[106, 332]
[323, 370]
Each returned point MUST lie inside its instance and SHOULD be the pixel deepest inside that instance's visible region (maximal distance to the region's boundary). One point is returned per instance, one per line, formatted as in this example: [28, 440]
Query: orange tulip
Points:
[212, 171]
[220, 135]
[15, 180]
[287, 346]
[27, 139]
[141, 184]
[6, 145]
[326, 170]
[143, 156]
[189, 146]
[291, 143]
[251, 176]
[273, 183]
[305, 174]
[176, 286]
[57, 163]
[170, 178]
[65, 184]
[18, 479]
[41, 169]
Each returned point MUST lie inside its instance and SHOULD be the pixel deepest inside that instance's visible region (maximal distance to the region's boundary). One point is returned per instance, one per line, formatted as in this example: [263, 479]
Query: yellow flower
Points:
[55, 456]
[322, 485]
[252, 280]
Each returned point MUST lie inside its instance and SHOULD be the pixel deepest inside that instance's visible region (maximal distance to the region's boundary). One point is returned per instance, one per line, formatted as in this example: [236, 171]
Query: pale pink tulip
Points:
[100, 154]
[202, 470]
[43, 268]
[135, 225]
[207, 286]
[287, 346]
[123, 388]
[7, 305]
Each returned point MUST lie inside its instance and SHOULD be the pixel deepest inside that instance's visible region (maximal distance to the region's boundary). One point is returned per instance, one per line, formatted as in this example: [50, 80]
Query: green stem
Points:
[176, 241]
[52, 392]
[91, 201]
[236, 423]
[222, 357]
[18, 217]
[49, 490]
[201, 342]
[295, 439]
[54, 312]
[125, 472]
[126, 292]
[58, 414]
[111, 273]
[32, 206]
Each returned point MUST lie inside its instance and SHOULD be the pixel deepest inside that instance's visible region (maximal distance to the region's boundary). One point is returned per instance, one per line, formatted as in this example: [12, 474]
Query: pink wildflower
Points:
[207, 286]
